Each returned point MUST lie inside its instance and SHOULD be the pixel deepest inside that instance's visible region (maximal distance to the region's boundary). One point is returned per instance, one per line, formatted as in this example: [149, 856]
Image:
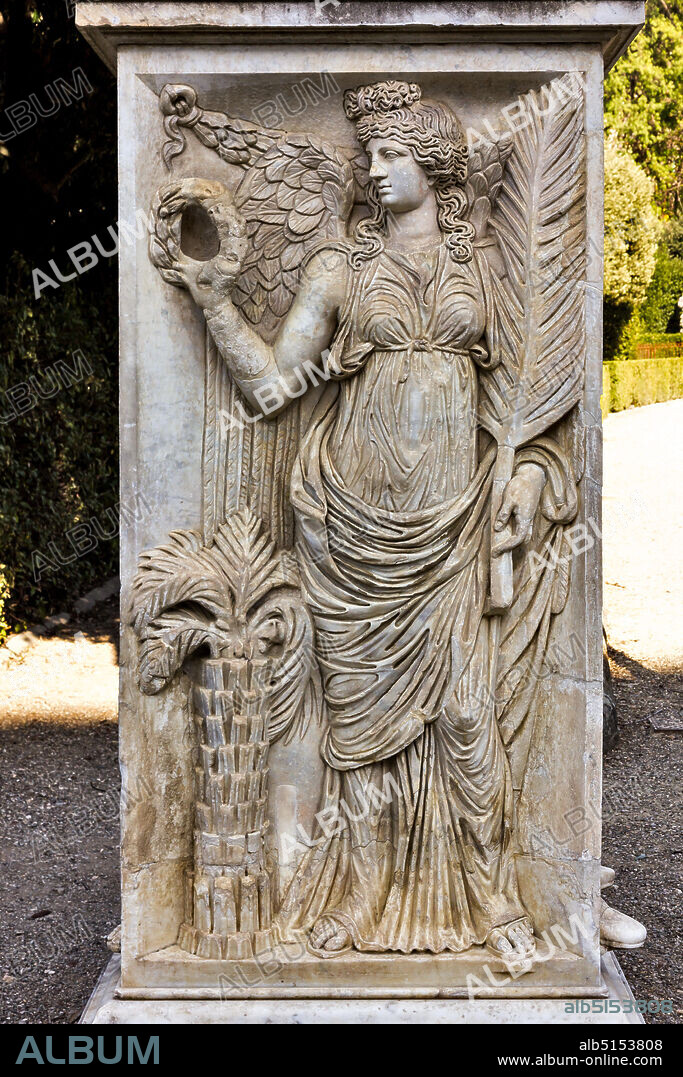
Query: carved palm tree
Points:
[234, 604]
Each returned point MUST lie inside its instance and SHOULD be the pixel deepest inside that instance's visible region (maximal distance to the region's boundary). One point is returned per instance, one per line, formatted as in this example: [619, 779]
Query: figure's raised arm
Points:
[270, 311]
[269, 376]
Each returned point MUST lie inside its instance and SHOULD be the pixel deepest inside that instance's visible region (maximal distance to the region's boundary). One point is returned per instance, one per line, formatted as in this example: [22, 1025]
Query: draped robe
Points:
[392, 494]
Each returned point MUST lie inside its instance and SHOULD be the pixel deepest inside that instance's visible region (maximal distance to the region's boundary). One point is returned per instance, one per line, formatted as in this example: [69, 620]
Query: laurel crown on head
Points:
[386, 96]
[431, 130]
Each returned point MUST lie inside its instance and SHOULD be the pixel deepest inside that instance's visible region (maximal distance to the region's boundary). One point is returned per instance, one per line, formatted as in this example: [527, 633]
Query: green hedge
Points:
[58, 443]
[661, 338]
[58, 352]
[630, 383]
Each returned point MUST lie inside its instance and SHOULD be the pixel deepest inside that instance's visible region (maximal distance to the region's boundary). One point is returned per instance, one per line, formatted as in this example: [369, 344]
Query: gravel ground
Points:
[59, 778]
[642, 833]
[59, 792]
[643, 615]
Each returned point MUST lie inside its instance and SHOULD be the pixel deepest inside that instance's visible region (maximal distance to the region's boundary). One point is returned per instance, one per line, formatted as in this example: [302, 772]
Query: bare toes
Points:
[338, 941]
[522, 939]
[322, 931]
[499, 943]
[516, 937]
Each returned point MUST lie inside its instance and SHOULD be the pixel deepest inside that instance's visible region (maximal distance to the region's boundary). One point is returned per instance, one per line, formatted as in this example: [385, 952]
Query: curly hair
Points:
[433, 133]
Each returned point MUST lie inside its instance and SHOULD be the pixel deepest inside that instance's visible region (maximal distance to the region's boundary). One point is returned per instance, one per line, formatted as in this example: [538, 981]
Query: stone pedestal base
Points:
[104, 1008]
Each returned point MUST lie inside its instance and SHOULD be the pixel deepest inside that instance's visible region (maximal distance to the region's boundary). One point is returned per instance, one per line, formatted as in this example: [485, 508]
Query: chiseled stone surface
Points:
[612, 23]
[105, 1008]
[361, 369]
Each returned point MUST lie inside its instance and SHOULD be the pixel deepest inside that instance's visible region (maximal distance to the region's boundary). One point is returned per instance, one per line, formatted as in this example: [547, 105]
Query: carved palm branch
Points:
[539, 220]
[250, 562]
[168, 640]
[181, 571]
[179, 594]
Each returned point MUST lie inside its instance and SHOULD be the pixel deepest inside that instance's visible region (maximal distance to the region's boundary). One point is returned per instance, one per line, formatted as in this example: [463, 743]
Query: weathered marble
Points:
[105, 1008]
[243, 134]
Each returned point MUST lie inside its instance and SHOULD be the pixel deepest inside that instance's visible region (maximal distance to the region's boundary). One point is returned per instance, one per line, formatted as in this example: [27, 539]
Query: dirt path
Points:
[643, 615]
[59, 791]
[59, 777]
[643, 532]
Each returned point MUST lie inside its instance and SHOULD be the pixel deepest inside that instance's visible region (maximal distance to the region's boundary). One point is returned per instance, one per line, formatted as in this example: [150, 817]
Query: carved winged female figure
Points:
[423, 466]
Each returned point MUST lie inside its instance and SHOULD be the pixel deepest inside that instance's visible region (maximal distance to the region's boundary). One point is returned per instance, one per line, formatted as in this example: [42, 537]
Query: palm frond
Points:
[167, 642]
[539, 220]
[187, 594]
[248, 559]
[180, 571]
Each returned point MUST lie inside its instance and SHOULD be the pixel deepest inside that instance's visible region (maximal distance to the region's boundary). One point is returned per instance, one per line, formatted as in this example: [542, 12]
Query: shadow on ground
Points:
[100, 626]
[59, 833]
[642, 831]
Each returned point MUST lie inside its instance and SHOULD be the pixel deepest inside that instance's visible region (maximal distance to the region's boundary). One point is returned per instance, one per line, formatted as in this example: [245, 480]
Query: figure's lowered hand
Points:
[515, 518]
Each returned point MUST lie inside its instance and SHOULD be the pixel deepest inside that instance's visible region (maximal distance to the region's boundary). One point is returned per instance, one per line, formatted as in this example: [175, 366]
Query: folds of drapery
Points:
[397, 863]
[351, 348]
[541, 585]
[397, 599]
[430, 866]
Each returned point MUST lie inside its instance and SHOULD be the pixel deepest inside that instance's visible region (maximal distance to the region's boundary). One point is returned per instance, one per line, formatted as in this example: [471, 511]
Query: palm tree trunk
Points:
[230, 892]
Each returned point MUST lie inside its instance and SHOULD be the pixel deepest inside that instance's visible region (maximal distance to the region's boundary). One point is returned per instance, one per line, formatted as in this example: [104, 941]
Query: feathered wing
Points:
[485, 172]
[296, 195]
[297, 192]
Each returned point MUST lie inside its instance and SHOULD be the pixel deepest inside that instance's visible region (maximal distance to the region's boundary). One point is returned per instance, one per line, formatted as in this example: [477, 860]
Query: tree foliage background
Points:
[644, 149]
[58, 460]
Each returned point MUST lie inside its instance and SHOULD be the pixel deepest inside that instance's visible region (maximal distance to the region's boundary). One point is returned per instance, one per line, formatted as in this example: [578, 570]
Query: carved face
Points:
[402, 182]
